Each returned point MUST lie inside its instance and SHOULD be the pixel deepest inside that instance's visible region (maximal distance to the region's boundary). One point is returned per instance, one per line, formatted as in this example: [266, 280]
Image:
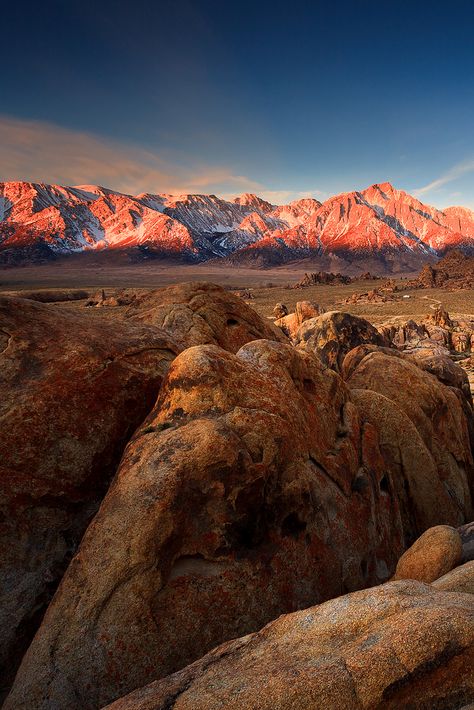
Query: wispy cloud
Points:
[450, 175]
[43, 152]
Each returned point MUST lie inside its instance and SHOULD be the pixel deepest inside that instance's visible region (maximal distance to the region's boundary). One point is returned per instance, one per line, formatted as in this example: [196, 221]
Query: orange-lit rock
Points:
[254, 488]
[439, 414]
[334, 334]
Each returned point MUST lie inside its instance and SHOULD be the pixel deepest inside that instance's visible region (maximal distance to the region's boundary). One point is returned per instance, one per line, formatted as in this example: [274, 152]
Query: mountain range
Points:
[39, 222]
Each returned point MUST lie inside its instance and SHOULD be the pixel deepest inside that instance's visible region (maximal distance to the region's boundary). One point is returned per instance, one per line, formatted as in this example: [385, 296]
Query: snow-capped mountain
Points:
[378, 220]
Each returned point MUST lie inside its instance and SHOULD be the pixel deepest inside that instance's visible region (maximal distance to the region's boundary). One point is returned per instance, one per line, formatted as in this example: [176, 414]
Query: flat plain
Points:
[266, 287]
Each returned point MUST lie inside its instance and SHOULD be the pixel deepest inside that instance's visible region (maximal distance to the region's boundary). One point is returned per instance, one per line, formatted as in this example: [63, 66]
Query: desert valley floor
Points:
[268, 286]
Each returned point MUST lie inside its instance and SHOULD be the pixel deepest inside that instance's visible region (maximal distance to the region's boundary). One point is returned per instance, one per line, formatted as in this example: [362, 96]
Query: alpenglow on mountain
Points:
[381, 222]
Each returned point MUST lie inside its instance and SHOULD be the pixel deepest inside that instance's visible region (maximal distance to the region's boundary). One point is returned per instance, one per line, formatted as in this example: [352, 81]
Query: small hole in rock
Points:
[384, 484]
[292, 526]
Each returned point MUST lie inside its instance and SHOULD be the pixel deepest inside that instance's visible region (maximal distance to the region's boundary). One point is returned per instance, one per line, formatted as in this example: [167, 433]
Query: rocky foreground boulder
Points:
[334, 334]
[203, 313]
[261, 482]
[72, 393]
[459, 579]
[433, 555]
[439, 415]
[399, 645]
[258, 485]
[254, 488]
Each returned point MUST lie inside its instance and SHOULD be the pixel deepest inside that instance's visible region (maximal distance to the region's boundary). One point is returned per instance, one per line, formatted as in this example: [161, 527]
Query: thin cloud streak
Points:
[38, 151]
[454, 173]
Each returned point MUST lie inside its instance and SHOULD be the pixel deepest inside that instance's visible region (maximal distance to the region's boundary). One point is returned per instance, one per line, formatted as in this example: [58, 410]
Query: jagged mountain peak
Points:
[385, 188]
[252, 201]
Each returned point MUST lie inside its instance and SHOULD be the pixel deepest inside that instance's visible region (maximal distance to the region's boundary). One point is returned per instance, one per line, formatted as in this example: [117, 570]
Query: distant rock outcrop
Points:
[322, 277]
[304, 310]
[455, 271]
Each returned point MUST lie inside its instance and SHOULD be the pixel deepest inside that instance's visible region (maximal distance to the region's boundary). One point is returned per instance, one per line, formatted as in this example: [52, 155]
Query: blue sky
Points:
[282, 99]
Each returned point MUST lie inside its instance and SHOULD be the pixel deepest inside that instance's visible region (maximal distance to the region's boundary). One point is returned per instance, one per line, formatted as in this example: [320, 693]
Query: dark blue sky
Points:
[227, 97]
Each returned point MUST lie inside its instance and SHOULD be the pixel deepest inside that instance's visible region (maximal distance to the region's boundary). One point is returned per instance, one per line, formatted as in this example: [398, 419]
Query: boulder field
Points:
[239, 477]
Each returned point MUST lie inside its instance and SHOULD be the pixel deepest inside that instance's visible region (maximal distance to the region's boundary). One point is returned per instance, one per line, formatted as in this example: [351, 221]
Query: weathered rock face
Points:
[411, 472]
[304, 310]
[459, 579]
[254, 488]
[355, 356]
[334, 334]
[201, 314]
[410, 335]
[462, 341]
[307, 309]
[433, 555]
[439, 415]
[443, 368]
[400, 645]
[72, 393]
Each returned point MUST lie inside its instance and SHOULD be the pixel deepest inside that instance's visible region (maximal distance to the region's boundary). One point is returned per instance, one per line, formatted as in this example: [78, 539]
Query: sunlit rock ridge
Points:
[377, 221]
